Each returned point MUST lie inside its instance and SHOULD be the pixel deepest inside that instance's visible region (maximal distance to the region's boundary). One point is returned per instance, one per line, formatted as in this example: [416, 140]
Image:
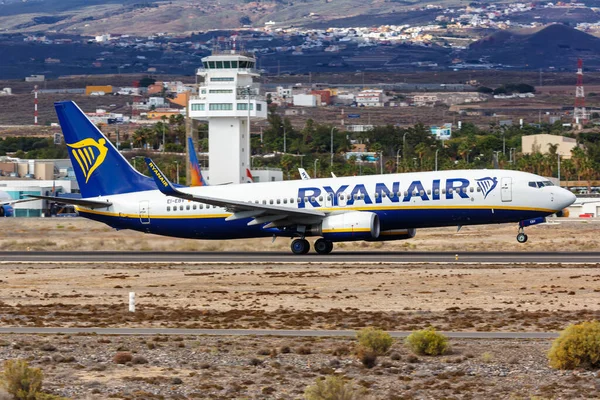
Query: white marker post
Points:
[131, 301]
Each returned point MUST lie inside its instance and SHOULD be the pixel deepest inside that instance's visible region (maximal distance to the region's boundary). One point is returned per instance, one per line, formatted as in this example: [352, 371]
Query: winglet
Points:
[160, 179]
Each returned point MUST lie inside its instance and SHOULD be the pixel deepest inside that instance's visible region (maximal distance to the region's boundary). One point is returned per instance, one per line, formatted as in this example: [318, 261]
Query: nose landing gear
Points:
[521, 236]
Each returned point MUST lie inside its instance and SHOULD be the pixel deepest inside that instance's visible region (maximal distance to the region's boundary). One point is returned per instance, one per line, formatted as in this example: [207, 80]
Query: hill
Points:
[555, 45]
[141, 17]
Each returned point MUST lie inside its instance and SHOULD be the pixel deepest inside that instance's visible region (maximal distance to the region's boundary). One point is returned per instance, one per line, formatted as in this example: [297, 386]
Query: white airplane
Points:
[372, 208]
[6, 203]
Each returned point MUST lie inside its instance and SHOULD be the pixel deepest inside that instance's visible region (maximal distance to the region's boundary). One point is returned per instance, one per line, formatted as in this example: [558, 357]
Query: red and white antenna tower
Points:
[35, 105]
[579, 112]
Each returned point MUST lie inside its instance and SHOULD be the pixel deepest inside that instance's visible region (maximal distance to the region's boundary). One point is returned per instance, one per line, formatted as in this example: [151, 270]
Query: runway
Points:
[260, 332]
[338, 257]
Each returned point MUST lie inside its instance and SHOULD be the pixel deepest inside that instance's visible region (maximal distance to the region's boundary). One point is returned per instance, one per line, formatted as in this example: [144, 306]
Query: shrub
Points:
[48, 347]
[332, 387]
[367, 357]
[578, 345]
[21, 381]
[255, 362]
[303, 350]
[122, 357]
[375, 339]
[285, 350]
[428, 341]
[139, 360]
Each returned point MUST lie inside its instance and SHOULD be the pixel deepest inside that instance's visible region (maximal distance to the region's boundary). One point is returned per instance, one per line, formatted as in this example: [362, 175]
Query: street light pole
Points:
[284, 140]
[397, 160]
[177, 164]
[436, 154]
[164, 143]
[331, 165]
[316, 161]
[381, 163]
[404, 145]
[558, 169]
[496, 162]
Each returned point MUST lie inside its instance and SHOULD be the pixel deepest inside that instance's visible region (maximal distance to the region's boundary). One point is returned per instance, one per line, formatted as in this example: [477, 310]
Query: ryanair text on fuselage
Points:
[395, 193]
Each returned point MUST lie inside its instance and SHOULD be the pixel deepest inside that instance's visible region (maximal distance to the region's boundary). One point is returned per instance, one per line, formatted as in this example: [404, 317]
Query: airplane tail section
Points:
[100, 169]
[195, 173]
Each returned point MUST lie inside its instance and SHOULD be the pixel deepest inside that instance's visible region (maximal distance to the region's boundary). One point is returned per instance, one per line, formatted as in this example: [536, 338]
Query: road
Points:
[289, 258]
[259, 332]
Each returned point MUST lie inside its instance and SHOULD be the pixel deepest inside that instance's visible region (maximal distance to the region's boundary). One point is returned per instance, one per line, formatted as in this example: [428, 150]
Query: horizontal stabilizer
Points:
[75, 202]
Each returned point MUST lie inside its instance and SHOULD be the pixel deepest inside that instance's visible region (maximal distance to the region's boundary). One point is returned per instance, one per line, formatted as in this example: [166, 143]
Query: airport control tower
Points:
[228, 98]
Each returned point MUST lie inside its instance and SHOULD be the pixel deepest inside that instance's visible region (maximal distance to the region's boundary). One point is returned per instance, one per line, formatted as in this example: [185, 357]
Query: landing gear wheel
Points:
[521, 237]
[1, 211]
[300, 246]
[323, 246]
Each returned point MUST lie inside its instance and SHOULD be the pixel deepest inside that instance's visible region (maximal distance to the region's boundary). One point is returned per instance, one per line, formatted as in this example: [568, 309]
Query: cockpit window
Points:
[540, 184]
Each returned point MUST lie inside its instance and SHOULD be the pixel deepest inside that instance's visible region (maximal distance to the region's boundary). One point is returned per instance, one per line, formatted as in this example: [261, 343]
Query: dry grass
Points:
[75, 234]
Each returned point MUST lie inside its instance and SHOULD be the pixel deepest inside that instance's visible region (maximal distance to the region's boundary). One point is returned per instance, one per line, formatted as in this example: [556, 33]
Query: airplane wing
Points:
[11, 202]
[274, 215]
[77, 202]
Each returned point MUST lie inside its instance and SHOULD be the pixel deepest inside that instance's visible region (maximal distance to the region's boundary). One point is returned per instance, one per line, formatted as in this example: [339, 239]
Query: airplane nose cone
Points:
[566, 198]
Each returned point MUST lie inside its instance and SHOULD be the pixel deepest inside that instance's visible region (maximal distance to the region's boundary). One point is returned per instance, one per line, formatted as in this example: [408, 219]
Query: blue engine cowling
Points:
[6, 211]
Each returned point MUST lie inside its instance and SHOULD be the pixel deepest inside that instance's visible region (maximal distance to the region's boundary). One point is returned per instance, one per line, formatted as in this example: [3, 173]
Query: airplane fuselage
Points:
[401, 201]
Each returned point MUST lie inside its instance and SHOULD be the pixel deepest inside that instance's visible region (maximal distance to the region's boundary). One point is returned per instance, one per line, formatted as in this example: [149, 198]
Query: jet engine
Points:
[349, 226]
[395, 234]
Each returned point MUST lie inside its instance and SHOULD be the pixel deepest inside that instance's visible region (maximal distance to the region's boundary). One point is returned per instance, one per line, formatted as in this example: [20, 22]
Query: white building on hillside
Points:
[370, 98]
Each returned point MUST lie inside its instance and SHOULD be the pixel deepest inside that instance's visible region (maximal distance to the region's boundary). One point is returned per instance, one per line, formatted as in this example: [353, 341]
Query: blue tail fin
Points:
[195, 172]
[100, 169]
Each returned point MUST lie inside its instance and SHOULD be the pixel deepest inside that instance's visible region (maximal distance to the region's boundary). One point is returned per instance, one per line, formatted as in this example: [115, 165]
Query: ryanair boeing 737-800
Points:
[372, 208]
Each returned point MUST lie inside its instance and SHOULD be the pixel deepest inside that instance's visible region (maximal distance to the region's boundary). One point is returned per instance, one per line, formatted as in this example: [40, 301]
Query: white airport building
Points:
[229, 99]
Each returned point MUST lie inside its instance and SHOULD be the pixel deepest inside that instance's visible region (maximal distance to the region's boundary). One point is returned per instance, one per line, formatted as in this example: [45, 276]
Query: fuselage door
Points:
[144, 212]
[506, 189]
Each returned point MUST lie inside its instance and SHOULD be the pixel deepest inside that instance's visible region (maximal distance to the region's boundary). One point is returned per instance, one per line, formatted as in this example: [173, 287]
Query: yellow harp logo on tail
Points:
[89, 155]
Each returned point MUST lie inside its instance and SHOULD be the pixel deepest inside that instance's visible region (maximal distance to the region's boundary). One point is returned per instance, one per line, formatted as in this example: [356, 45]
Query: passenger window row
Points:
[188, 207]
[341, 196]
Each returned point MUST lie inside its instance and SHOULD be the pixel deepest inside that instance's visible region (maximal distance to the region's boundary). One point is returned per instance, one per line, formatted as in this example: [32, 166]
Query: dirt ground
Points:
[78, 234]
[190, 367]
[473, 297]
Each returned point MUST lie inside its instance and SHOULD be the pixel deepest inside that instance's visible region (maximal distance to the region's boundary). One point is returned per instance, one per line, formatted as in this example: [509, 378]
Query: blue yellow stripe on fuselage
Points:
[214, 226]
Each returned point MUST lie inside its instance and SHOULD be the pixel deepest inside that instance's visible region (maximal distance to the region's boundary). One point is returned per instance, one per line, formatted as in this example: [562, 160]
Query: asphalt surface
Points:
[289, 258]
[259, 332]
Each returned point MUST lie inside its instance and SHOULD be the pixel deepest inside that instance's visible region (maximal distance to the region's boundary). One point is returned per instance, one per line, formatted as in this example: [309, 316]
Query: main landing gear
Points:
[521, 236]
[323, 246]
[302, 246]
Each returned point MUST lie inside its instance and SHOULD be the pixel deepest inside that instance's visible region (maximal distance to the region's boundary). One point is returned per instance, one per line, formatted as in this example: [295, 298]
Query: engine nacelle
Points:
[350, 226]
[6, 211]
[395, 234]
